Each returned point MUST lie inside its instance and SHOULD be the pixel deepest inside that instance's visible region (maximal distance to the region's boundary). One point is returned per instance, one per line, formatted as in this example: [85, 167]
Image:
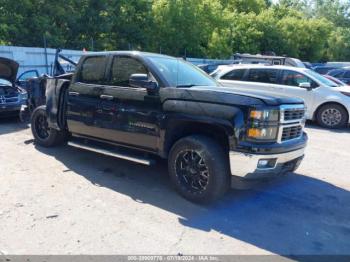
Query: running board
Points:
[112, 153]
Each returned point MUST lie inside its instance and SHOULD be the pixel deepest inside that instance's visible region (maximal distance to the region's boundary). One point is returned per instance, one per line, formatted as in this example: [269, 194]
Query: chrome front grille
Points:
[291, 132]
[292, 122]
[293, 114]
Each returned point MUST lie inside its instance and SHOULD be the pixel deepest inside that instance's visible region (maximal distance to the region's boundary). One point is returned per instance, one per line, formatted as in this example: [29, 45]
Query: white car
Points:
[327, 103]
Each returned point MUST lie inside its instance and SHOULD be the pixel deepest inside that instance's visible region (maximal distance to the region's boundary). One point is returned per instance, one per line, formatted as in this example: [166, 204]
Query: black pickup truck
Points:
[142, 106]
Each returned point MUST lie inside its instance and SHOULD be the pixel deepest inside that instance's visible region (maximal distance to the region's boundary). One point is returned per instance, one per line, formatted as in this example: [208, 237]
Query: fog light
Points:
[267, 163]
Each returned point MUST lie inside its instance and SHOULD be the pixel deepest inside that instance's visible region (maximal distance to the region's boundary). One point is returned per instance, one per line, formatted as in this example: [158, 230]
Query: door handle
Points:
[106, 97]
[74, 93]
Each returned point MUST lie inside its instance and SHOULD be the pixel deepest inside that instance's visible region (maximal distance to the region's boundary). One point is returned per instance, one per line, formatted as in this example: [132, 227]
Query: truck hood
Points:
[224, 95]
[8, 69]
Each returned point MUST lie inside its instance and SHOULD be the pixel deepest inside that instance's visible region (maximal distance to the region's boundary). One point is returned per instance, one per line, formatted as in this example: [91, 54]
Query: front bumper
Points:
[248, 166]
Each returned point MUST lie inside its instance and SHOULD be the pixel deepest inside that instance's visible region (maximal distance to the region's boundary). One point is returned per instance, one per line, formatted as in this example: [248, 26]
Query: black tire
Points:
[189, 178]
[43, 135]
[332, 116]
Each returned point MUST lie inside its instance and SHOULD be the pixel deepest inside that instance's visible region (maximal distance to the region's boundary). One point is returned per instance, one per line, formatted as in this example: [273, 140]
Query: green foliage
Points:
[184, 27]
[336, 11]
[307, 29]
[245, 6]
[339, 45]
[304, 38]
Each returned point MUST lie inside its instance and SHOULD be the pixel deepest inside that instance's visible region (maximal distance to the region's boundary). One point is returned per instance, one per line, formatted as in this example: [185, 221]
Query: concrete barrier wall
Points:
[34, 58]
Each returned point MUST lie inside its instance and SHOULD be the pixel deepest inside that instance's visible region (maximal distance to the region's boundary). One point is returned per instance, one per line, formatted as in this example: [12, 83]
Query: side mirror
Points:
[141, 81]
[306, 85]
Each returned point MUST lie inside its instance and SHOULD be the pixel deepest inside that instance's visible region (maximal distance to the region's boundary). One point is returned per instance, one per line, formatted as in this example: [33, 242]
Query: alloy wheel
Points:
[331, 117]
[192, 171]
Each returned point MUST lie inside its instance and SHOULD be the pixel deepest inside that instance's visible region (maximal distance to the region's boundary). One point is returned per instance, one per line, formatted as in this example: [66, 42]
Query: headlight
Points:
[264, 115]
[263, 133]
[263, 125]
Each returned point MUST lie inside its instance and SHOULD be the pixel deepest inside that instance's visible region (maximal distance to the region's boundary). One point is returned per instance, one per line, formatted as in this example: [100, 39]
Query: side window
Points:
[123, 68]
[291, 78]
[93, 70]
[263, 76]
[236, 74]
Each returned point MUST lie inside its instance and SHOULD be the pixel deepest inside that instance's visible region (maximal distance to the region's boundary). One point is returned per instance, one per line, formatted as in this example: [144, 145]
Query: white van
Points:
[327, 103]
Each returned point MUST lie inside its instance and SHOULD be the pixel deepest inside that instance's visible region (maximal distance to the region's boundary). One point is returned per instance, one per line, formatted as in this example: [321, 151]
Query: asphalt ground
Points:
[69, 201]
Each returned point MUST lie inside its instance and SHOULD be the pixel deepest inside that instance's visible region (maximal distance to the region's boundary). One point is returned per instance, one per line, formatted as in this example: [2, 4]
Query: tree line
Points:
[311, 30]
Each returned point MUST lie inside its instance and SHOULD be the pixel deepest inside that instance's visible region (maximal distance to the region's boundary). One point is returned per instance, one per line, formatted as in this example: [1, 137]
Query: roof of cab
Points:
[132, 53]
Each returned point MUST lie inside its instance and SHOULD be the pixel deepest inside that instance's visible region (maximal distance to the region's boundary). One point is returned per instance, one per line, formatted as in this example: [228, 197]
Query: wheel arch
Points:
[178, 129]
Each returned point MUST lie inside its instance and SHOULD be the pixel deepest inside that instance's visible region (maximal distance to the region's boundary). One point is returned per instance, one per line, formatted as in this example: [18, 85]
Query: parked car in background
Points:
[338, 64]
[12, 97]
[208, 68]
[267, 59]
[23, 78]
[323, 70]
[307, 65]
[318, 64]
[335, 80]
[343, 74]
[327, 103]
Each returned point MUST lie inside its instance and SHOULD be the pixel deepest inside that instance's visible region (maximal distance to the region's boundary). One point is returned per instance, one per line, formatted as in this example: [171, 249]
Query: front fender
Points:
[184, 118]
[228, 117]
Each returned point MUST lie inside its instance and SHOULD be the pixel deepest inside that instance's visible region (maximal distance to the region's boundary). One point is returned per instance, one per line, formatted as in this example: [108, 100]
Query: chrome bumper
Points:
[247, 165]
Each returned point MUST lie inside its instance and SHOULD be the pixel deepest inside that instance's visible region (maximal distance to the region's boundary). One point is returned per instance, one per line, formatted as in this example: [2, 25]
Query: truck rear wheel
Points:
[43, 134]
[198, 167]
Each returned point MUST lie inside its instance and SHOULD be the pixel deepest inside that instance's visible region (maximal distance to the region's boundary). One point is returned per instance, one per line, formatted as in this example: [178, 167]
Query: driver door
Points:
[136, 121]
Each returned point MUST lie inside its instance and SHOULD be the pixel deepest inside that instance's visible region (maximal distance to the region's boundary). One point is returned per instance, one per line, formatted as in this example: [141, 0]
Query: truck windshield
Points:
[180, 73]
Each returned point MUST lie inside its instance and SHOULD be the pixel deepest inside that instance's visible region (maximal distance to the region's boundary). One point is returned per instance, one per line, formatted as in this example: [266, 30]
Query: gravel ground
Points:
[68, 201]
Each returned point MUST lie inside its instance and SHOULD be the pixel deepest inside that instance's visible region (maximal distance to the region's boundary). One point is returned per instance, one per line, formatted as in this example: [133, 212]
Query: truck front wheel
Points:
[198, 167]
[43, 134]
